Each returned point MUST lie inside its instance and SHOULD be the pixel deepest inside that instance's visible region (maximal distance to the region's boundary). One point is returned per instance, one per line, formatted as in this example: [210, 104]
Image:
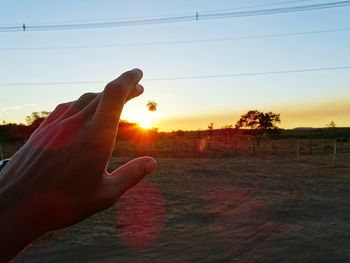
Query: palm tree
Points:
[152, 107]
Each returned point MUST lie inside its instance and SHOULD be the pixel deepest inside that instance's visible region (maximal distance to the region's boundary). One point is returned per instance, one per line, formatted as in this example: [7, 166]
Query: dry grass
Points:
[172, 146]
[242, 209]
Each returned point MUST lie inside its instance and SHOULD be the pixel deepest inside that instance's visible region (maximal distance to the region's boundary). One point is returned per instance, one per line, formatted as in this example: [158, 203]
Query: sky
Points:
[170, 54]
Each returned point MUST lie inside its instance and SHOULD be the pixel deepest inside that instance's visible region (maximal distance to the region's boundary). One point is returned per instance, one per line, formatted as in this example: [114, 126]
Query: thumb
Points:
[128, 175]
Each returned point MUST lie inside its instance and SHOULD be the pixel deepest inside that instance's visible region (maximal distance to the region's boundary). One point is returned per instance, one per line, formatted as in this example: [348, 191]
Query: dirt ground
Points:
[217, 210]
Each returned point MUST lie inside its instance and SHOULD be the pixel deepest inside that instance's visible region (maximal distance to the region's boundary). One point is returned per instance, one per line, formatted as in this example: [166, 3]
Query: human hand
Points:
[59, 177]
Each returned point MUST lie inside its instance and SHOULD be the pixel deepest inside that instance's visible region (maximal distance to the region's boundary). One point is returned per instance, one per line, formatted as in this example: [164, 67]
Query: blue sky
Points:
[303, 99]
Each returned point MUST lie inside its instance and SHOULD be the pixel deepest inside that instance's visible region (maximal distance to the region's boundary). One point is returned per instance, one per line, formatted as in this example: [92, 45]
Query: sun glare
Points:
[145, 122]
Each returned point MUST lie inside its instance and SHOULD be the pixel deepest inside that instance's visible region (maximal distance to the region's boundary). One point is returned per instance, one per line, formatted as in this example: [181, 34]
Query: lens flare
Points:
[140, 215]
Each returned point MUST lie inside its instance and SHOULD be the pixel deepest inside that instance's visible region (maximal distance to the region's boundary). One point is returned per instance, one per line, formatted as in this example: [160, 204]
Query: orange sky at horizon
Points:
[292, 116]
[315, 115]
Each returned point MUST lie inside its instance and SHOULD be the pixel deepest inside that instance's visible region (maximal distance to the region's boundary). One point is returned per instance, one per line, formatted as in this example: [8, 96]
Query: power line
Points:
[231, 75]
[228, 75]
[51, 83]
[174, 19]
[263, 36]
[260, 5]
[147, 17]
[277, 10]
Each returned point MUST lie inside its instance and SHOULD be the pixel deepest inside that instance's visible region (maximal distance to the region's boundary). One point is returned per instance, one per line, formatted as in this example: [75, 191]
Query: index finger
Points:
[113, 98]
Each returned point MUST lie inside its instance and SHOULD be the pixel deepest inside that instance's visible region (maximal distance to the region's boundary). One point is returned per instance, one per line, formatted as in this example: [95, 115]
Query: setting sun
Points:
[145, 121]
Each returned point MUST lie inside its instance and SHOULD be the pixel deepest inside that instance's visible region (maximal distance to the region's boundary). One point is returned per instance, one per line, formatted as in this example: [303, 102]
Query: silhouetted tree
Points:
[259, 121]
[35, 119]
[331, 124]
[13, 132]
[211, 129]
[152, 107]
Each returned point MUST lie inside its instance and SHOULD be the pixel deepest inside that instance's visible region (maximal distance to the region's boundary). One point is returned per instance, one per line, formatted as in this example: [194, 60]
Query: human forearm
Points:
[18, 228]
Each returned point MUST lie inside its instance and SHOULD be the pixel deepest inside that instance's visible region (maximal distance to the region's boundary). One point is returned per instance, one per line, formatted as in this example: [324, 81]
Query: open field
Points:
[218, 210]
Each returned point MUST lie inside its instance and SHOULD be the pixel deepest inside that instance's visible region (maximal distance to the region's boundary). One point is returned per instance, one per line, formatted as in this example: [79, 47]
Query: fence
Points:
[216, 147]
[8, 149]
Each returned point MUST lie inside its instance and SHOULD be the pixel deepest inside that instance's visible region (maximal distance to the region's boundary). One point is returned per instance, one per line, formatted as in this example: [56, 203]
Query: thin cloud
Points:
[8, 109]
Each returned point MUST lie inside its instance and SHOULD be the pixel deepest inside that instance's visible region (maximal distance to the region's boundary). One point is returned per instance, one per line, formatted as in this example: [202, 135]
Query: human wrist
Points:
[18, 226]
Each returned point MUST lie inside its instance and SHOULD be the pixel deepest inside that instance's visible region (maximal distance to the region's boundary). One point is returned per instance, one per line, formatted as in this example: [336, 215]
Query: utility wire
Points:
[237, 38]
[228, 75]
[172, 14]
[259, 5]
[174, 19]
[276, 10]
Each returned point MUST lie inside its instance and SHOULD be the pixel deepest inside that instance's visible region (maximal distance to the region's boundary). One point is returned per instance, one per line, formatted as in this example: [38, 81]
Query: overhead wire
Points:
[174, 19]
[172, 14]
[260, 5]
[183, 18]
[175, 42]
[230, 75]
[193, 77]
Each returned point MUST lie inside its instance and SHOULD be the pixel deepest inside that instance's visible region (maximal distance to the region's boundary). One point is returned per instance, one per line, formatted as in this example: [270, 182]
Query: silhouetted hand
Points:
[59, 177]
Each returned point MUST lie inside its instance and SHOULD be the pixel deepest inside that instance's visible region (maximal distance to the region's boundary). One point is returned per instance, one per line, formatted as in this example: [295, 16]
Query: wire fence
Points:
[239, 146]
[222, 147]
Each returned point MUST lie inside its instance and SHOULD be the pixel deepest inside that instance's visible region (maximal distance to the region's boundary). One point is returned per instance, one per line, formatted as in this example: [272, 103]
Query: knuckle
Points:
[110, 85]
[61, 107]
[115, 87]
[87, 96]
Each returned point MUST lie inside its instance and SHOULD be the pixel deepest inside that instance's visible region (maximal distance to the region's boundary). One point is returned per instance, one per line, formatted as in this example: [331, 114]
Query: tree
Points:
[35, 119]
[152, 107]
[12, 132]
[211, 129]
[331, 124]
[260, 121]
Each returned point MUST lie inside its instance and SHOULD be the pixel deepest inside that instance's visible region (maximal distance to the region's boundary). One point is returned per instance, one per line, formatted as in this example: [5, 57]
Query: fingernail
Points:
[151, 165]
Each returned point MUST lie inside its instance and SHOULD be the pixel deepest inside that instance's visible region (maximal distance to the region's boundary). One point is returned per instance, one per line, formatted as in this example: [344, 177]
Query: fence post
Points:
[195, 147]
[1, 152]
[253, 147]
[236, 146]
[273, 147]
[340, 148]
[310, 146]
[173, 149]
[298, 148]
[334, 153]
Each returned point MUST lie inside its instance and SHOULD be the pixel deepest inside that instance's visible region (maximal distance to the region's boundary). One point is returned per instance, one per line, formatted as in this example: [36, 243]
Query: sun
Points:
[145, 122]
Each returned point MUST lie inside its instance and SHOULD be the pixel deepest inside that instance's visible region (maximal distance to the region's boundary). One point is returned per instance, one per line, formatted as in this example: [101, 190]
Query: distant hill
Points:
[304, 128]
[317, 133]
